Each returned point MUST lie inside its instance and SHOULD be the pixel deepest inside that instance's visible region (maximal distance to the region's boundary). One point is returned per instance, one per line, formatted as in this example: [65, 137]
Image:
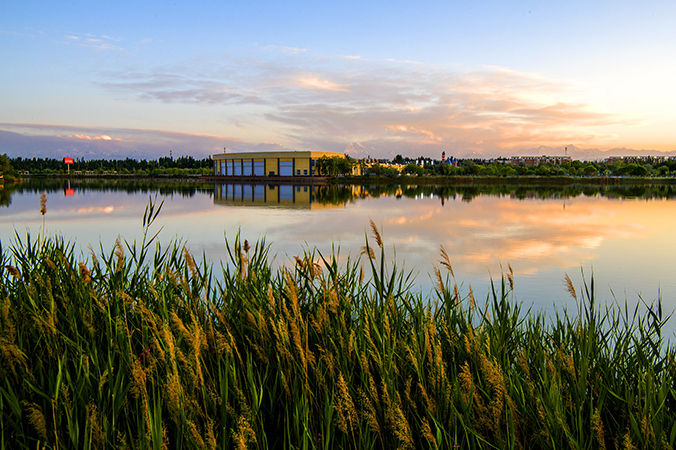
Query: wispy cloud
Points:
[102, 42]
[328, 102]
[103, 137]
[18, 33]
[282, 49]
[306, 100]
[314, 82]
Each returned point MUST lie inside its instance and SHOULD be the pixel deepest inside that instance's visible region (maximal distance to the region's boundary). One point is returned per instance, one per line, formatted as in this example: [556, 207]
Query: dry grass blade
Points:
[191, 262]
[472, 303]
[119, 254]
[569, 287]
[446, 261]
[13, 271]
[376, 234]
[440, 282]
[366, 250]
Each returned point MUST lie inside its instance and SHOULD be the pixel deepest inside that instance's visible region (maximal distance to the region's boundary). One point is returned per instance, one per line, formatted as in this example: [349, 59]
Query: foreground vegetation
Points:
[135, 348]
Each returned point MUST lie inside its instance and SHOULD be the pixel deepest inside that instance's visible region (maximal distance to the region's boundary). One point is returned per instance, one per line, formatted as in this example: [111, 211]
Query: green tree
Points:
[6, 169]
[413, 169]
[398, 160]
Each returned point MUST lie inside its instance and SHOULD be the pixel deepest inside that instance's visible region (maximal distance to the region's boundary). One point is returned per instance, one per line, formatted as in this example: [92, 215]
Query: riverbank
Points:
[370, 180]
[510, 180]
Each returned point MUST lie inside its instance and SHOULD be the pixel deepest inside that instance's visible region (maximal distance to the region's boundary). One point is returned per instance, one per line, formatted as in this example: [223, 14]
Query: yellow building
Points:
[271, 164]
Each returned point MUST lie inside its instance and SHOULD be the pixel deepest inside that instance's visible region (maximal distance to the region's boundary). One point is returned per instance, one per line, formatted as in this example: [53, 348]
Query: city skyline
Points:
[377, 79]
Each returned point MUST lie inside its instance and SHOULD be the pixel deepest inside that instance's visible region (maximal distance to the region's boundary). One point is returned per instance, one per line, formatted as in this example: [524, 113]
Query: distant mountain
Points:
[588, 153]
[362, 150]
[572, 151]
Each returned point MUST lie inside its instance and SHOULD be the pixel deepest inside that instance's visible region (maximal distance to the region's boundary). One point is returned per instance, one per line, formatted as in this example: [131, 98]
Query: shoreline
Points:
[404, 179]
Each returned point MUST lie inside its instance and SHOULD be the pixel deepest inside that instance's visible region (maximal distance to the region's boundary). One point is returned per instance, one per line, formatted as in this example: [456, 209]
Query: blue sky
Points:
[116, 79]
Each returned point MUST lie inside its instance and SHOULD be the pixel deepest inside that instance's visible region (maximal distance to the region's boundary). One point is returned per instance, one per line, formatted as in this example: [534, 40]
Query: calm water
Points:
[624, 235]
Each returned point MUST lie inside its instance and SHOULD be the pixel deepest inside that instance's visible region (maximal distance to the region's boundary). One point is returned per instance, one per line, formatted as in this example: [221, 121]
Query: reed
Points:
[145, 348]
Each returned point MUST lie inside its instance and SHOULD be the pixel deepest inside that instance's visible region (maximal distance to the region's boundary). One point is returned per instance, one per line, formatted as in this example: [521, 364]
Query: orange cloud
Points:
[103, 137]
[314, 82]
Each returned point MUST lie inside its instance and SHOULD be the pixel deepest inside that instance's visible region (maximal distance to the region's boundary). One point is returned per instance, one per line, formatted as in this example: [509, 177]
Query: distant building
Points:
[448, 160]
[537, 160]
[636, 159]
[271, 164]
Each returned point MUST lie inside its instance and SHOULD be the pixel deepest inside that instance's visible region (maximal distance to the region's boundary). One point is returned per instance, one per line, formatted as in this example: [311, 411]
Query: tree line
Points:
[164, 165]
[334, 166]
[478, 167]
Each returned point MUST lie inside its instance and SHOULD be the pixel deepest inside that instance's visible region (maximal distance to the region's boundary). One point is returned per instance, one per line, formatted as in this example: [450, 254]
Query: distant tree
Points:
[6, 169]
[589, 169]
[413, 169]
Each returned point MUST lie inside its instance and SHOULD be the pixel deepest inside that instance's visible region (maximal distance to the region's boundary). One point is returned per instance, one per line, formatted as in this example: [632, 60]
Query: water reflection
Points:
[311, 196]
[70, 187]
[282, 195]
[469, 193]
[624, 233]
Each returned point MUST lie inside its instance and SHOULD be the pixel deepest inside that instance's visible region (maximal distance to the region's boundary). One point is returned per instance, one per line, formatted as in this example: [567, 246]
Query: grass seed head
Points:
[369, 412]
[376, 234]
[440, 282]
[119, 254]
[466, 385]
[427, 432]
[191, 262]
[446, 261]
[597, 425]
[569, 287]
[367, 250]
[37, 419]
[347, 413]
[472, 303]
[43, 203]
[13, 271]
[85, 274]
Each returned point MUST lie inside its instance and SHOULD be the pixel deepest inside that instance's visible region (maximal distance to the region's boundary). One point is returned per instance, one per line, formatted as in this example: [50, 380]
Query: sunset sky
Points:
[117, 79]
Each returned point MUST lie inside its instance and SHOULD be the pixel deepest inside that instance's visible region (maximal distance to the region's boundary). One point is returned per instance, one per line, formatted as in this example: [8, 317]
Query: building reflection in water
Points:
[277, 195]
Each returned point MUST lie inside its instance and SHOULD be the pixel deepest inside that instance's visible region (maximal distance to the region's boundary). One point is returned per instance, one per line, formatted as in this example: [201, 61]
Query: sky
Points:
[101, 79]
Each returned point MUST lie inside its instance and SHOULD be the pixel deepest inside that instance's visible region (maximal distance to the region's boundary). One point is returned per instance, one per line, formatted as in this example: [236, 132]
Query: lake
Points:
[624, 235]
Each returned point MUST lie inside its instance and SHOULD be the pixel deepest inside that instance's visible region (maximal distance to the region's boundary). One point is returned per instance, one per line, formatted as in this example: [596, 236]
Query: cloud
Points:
[313, 82]
[282, 49]
[16, 33]
[107, 209]
[58, 141]
[102, 42]
[312, 101]
[103, 137]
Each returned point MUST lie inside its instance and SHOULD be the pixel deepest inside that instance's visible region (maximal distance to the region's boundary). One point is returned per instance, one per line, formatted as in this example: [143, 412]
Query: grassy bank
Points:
[488, 180]
[133, 348]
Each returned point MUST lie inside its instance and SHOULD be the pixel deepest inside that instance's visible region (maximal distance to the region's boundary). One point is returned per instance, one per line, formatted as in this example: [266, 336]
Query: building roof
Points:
[277, 154]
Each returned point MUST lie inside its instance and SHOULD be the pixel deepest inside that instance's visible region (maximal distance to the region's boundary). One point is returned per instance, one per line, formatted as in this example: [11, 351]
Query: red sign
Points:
[70, 192]
[68, 160]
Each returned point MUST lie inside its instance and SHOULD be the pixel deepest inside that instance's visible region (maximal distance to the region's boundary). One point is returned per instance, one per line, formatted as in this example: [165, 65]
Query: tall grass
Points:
[149, 350]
